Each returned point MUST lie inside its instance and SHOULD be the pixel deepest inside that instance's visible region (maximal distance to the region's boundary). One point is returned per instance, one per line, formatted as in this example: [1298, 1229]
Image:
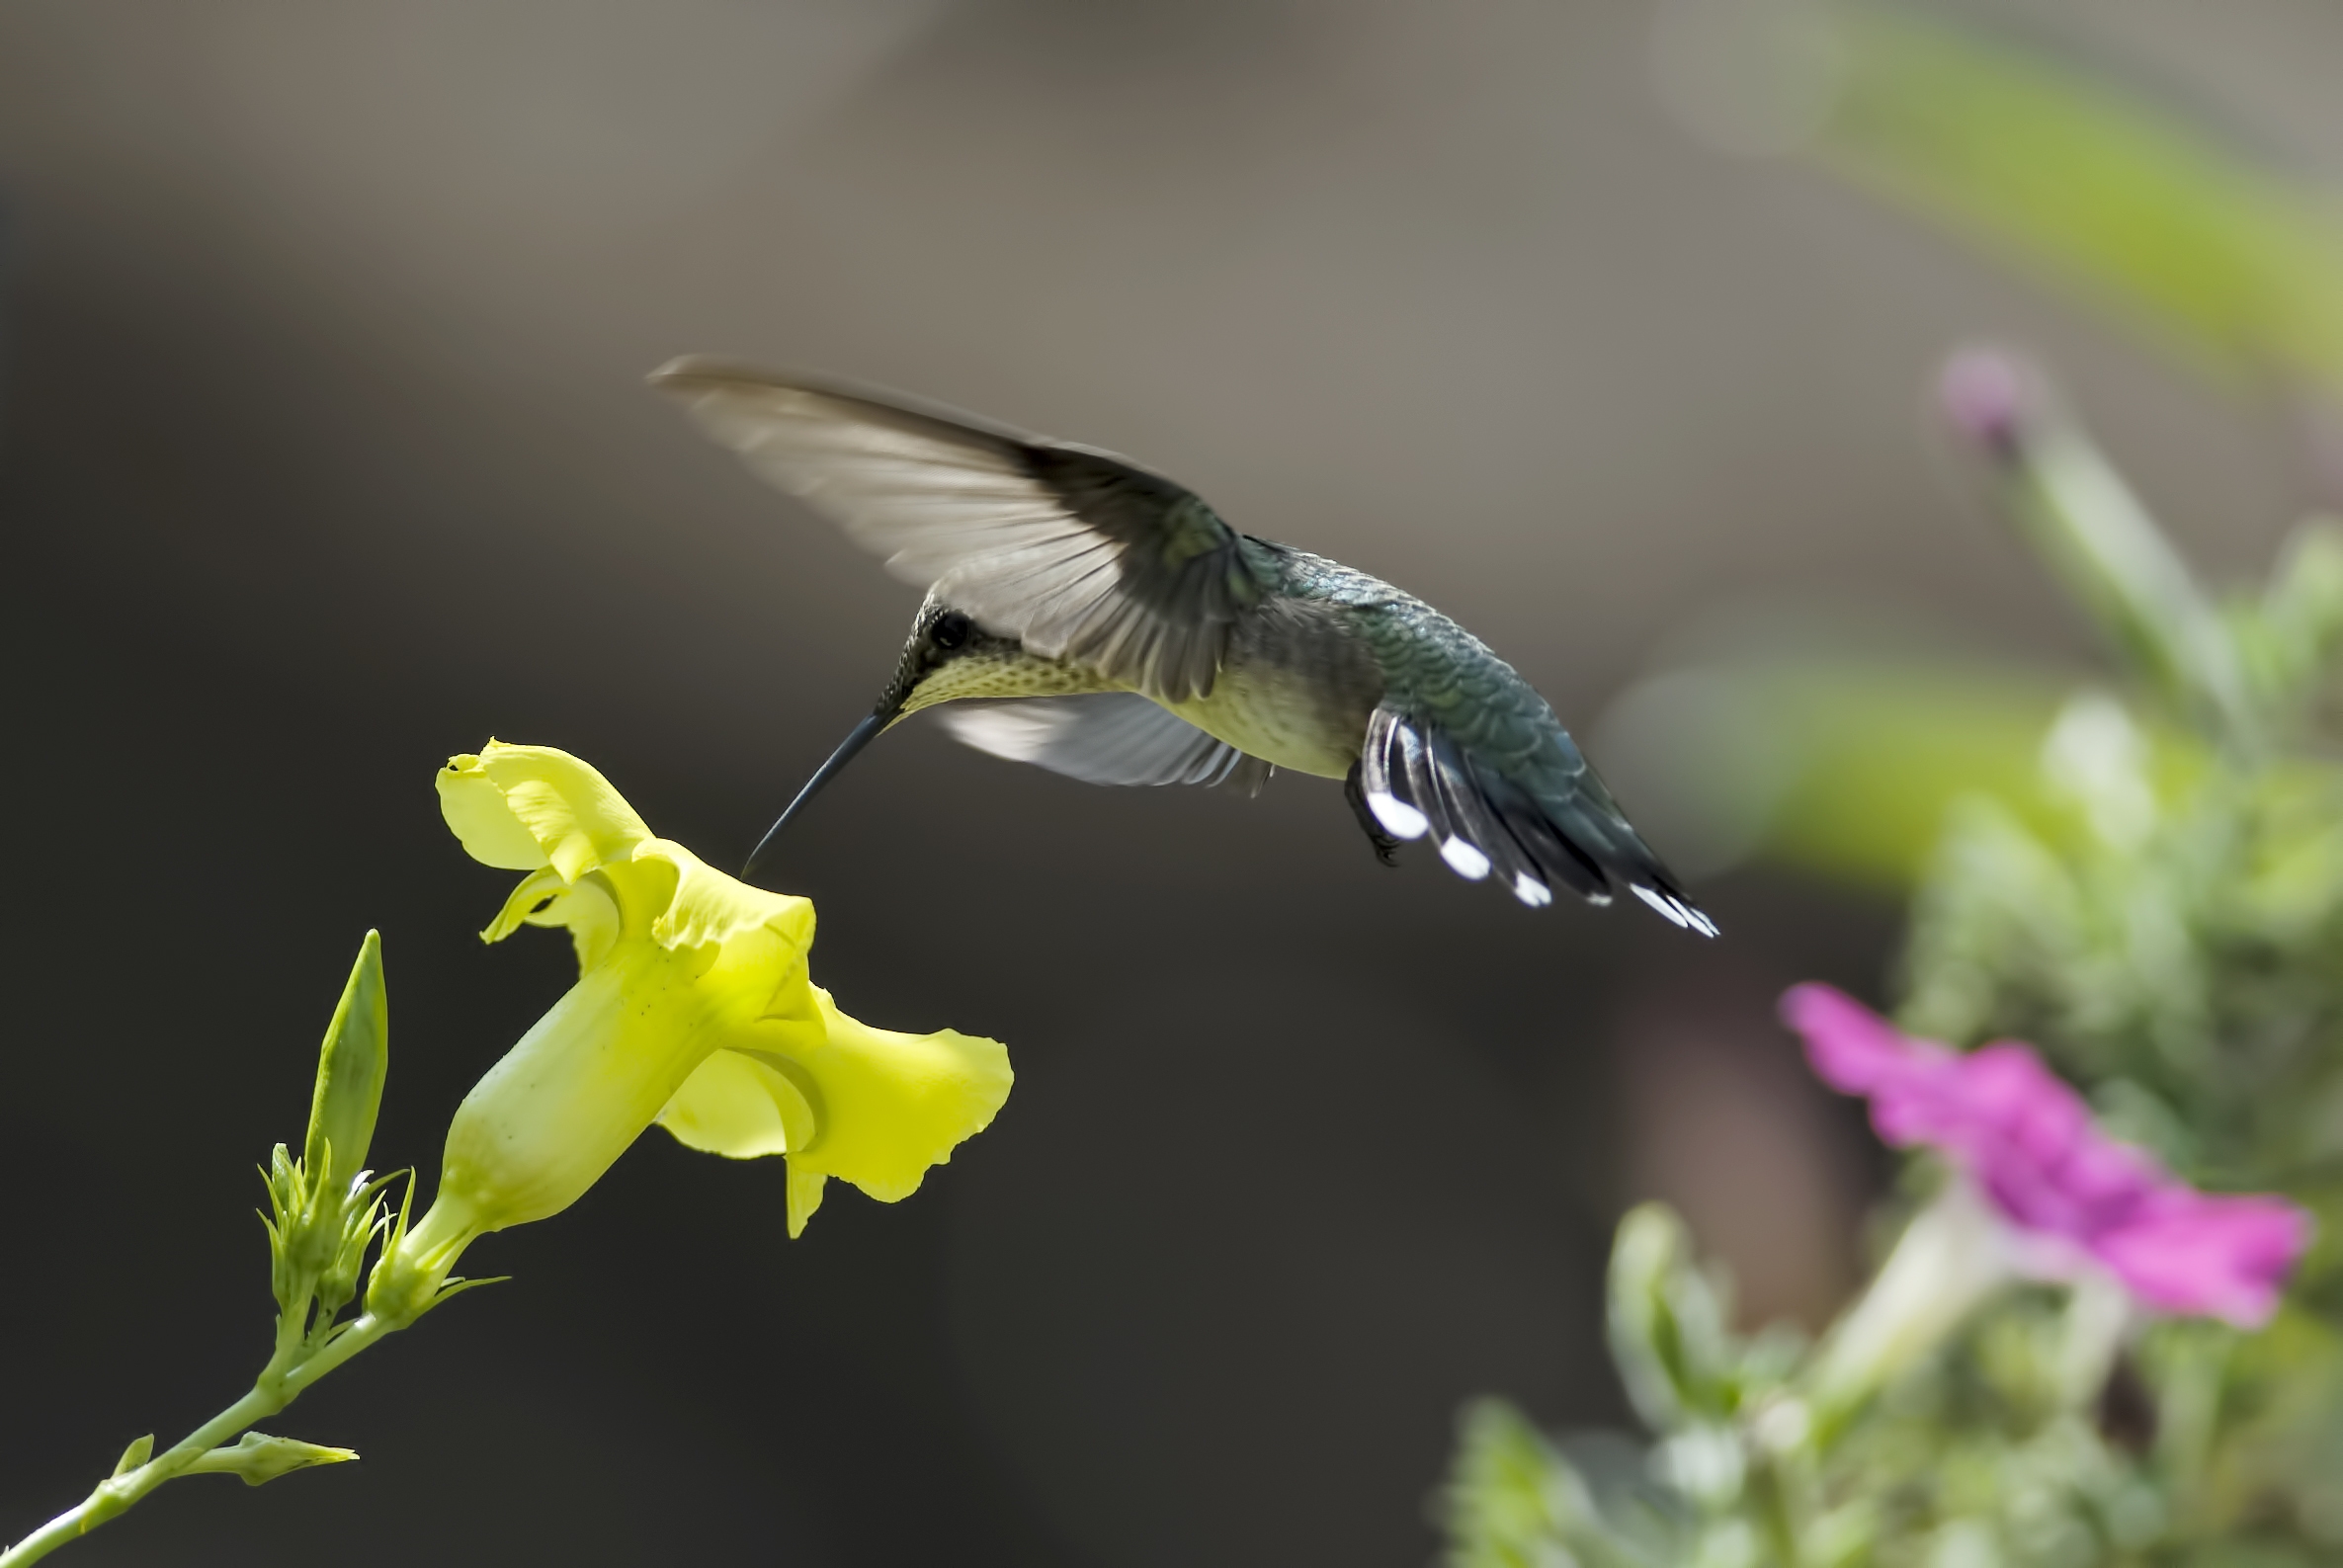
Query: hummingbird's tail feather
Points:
[1588, 818]
[1418, 783]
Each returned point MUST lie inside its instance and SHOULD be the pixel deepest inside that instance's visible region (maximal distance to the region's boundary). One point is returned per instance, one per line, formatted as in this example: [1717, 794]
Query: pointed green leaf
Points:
[1667, 1327]
[1512, 1500]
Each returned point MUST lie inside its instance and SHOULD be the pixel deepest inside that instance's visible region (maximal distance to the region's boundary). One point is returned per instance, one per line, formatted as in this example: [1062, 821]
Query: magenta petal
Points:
[1852, 1048]
[2028, 1140]
[2212, 1256]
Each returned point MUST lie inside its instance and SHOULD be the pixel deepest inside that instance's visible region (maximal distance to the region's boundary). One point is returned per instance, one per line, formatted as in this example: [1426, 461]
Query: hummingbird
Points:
[1093, 618]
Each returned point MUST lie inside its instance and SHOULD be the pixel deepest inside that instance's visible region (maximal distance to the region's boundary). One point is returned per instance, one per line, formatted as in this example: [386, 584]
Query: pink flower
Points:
[2027, 1140]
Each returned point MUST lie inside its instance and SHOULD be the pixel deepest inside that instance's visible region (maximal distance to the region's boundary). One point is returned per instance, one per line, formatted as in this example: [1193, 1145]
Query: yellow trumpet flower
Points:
[693, 1009]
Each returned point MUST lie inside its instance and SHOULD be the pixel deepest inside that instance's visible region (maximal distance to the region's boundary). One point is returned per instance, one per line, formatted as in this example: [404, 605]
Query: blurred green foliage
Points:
[1844, 767]
[2034, 1440]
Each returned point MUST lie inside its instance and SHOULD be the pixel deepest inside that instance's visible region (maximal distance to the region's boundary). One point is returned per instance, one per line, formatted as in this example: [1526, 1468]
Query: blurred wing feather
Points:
[1111, 738]
[1077, 553]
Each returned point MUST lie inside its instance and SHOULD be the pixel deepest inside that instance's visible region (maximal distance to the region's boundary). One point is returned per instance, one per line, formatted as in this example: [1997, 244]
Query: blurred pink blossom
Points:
[2027, 1140]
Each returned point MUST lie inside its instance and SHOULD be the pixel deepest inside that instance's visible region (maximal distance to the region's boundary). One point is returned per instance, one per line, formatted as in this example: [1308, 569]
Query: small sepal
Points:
[260, 1458]
[288, 1225]
[411, 1275]
[364, 1220]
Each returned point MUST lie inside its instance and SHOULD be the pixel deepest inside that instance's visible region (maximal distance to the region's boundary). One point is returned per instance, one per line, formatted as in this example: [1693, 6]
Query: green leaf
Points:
[1840, 765]
[1512, 1501]
[2290, 639]
[1667, 1326]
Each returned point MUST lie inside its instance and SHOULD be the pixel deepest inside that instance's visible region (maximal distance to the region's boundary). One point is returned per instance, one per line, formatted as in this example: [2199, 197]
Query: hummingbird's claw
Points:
[1387, 848]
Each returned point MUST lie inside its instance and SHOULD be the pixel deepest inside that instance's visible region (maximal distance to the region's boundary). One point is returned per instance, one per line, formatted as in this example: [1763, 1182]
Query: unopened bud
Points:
[1990, 397]
[2076, 511]
[137, 1453]
[351, 1066]
[260, 1458]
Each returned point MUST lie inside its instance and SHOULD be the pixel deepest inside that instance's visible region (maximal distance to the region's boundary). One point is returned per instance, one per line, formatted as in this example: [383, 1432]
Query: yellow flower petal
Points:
[527, 904]
[474, 809]
[892, 1105]
[741, 1105]
[521, 807]
[868, 1106]
[706, 905]
[804, 1197]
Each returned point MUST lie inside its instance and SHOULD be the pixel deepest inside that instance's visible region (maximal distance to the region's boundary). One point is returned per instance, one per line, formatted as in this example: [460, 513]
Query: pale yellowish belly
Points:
[1275, 726]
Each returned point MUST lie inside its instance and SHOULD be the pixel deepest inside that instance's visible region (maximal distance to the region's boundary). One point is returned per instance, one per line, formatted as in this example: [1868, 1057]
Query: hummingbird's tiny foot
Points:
[1387, 848]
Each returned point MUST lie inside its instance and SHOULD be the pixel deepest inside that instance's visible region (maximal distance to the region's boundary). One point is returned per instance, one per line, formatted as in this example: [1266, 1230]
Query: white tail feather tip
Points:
[1465, 860]
[1531, 891]
[1399, 819]
[1666, 906]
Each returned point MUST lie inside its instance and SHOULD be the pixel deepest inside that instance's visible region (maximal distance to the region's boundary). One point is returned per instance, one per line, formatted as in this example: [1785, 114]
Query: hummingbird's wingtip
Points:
[686, 372]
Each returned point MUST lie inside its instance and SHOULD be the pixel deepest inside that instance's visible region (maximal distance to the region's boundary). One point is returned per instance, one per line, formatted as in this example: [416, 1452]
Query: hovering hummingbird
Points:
[1103, 621]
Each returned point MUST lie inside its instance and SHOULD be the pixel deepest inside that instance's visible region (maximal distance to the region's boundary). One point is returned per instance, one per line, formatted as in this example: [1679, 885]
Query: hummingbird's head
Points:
[947, 657]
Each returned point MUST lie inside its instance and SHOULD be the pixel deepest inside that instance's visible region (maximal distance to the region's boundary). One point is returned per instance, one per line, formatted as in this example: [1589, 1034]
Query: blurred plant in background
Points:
[2180, 231]
[2067, 1356]
[2063, 1359]
[2033, 1378]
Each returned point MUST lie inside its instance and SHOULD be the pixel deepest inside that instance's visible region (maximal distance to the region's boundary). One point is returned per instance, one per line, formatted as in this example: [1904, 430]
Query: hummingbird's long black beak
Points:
[857, 738]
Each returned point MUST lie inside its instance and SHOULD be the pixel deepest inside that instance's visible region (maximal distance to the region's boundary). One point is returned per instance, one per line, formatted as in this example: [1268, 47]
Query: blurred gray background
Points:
[328, 455]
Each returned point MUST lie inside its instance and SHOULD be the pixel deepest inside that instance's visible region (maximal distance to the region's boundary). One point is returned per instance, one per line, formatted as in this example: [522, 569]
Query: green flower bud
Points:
[260, 1458]
[137, 1453]
[351, 1066]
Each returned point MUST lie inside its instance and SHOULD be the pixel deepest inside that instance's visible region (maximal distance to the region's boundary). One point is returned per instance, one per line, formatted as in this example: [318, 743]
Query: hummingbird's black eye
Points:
[950, 631]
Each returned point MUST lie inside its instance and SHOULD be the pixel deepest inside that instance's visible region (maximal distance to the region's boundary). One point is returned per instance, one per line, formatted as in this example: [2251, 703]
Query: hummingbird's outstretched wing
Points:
[1417, 782]
[1104, 738]
[1076, 553]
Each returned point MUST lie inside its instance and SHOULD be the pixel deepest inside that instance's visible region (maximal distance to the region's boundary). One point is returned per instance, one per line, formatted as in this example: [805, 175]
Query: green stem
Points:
[280, 1383]
[1770, 1490]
